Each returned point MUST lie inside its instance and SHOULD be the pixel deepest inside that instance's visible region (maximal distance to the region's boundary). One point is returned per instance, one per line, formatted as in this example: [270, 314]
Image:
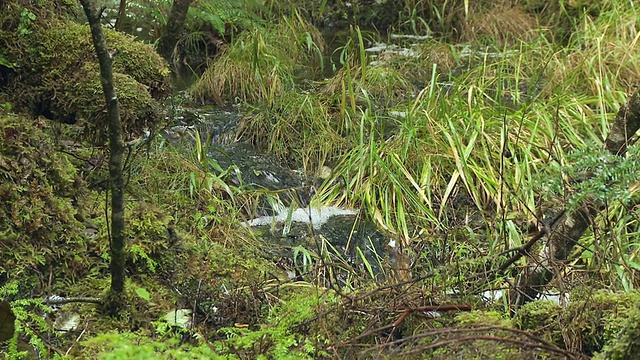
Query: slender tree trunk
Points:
[122, 8]
[114, 301]
[173, 31]
[568, 228]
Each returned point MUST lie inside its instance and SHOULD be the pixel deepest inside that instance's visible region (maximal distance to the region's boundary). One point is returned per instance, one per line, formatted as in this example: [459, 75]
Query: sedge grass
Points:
[260, 63]
[297, 126]
[464, 140]
[494, 133]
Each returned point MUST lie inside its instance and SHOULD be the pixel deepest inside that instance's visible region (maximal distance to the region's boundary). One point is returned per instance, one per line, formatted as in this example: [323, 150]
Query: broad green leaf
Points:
[143, 293]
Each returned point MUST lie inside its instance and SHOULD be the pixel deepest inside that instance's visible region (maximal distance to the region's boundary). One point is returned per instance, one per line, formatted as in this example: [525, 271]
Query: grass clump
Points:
[261, 63]
[381, 85]
[499, 25]
[297, 126]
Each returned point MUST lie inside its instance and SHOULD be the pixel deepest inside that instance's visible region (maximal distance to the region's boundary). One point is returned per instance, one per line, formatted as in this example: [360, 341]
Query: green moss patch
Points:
[55, 72]
[38, 192]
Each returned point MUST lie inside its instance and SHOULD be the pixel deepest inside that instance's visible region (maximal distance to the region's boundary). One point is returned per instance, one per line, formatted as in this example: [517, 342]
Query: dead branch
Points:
[567, 231]
[407, 312]
[64, 301]
[534, 342]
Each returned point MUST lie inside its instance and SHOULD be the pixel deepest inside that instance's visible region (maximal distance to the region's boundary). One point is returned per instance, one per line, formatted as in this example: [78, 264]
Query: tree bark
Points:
[122, 8]
[115, 298]
[567, 230]
[173, 31]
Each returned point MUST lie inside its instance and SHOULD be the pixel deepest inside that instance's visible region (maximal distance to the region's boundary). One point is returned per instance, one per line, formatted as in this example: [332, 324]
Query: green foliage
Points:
[37, 192]
[360, 80]
[204, 17]
[455, 174]
[6, 63]
[210, 176]
[595, 176]
[30, 323]
[260, 63]
[296, 125]
[220, 14]
[26, 17]
[149, 246]
[143, 293]
[116, 346]
[277, 338]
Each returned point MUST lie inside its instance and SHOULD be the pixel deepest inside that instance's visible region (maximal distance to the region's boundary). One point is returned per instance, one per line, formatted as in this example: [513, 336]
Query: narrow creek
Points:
[290, 223]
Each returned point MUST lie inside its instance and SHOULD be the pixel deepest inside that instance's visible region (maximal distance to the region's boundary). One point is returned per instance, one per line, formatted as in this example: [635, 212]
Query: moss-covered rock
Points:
[53, 70]
[625, 344]
[592, 322]
[138, 110]
[540, 318]
[595, 319]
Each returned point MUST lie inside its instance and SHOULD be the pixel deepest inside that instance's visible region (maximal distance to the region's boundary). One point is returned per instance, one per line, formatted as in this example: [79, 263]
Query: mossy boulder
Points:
[594, 321]
[600, 323]
[53, 71]
[625, 344]
[84, 100]
[540, 318]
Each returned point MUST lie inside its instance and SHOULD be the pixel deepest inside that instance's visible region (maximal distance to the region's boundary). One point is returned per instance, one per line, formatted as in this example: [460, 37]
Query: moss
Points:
[625, 342]
[595, 319]
[151, 249]
[56, 72]
[38, 191]
[483, 318]
[138, 110]
[540, 318]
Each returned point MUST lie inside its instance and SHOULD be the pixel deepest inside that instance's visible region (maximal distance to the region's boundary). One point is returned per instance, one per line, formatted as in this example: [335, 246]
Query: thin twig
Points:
[63, 301]
[77, 339]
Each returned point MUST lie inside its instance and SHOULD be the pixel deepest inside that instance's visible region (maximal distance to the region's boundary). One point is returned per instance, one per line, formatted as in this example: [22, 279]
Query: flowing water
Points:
[290, 223]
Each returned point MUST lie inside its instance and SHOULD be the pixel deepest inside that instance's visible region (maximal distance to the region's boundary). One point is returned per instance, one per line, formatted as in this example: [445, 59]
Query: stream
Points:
[289, 222]
[289, 225]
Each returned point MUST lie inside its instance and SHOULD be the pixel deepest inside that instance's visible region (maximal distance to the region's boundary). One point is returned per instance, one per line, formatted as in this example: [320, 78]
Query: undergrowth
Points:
[459, 154]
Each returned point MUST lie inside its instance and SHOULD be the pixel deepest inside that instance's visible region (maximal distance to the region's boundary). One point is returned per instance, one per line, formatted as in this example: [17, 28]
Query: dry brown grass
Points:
[503, 25]
[383, 83]
[605, 56]
[440, 55]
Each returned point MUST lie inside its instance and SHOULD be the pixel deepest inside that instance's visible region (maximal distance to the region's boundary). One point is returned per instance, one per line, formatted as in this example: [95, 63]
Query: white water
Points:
[316, 216]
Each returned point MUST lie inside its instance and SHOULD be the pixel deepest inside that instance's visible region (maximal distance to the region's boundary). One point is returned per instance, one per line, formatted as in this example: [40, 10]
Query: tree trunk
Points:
[173, 31]
[122, 8]
[115, 298]
[565, 232]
